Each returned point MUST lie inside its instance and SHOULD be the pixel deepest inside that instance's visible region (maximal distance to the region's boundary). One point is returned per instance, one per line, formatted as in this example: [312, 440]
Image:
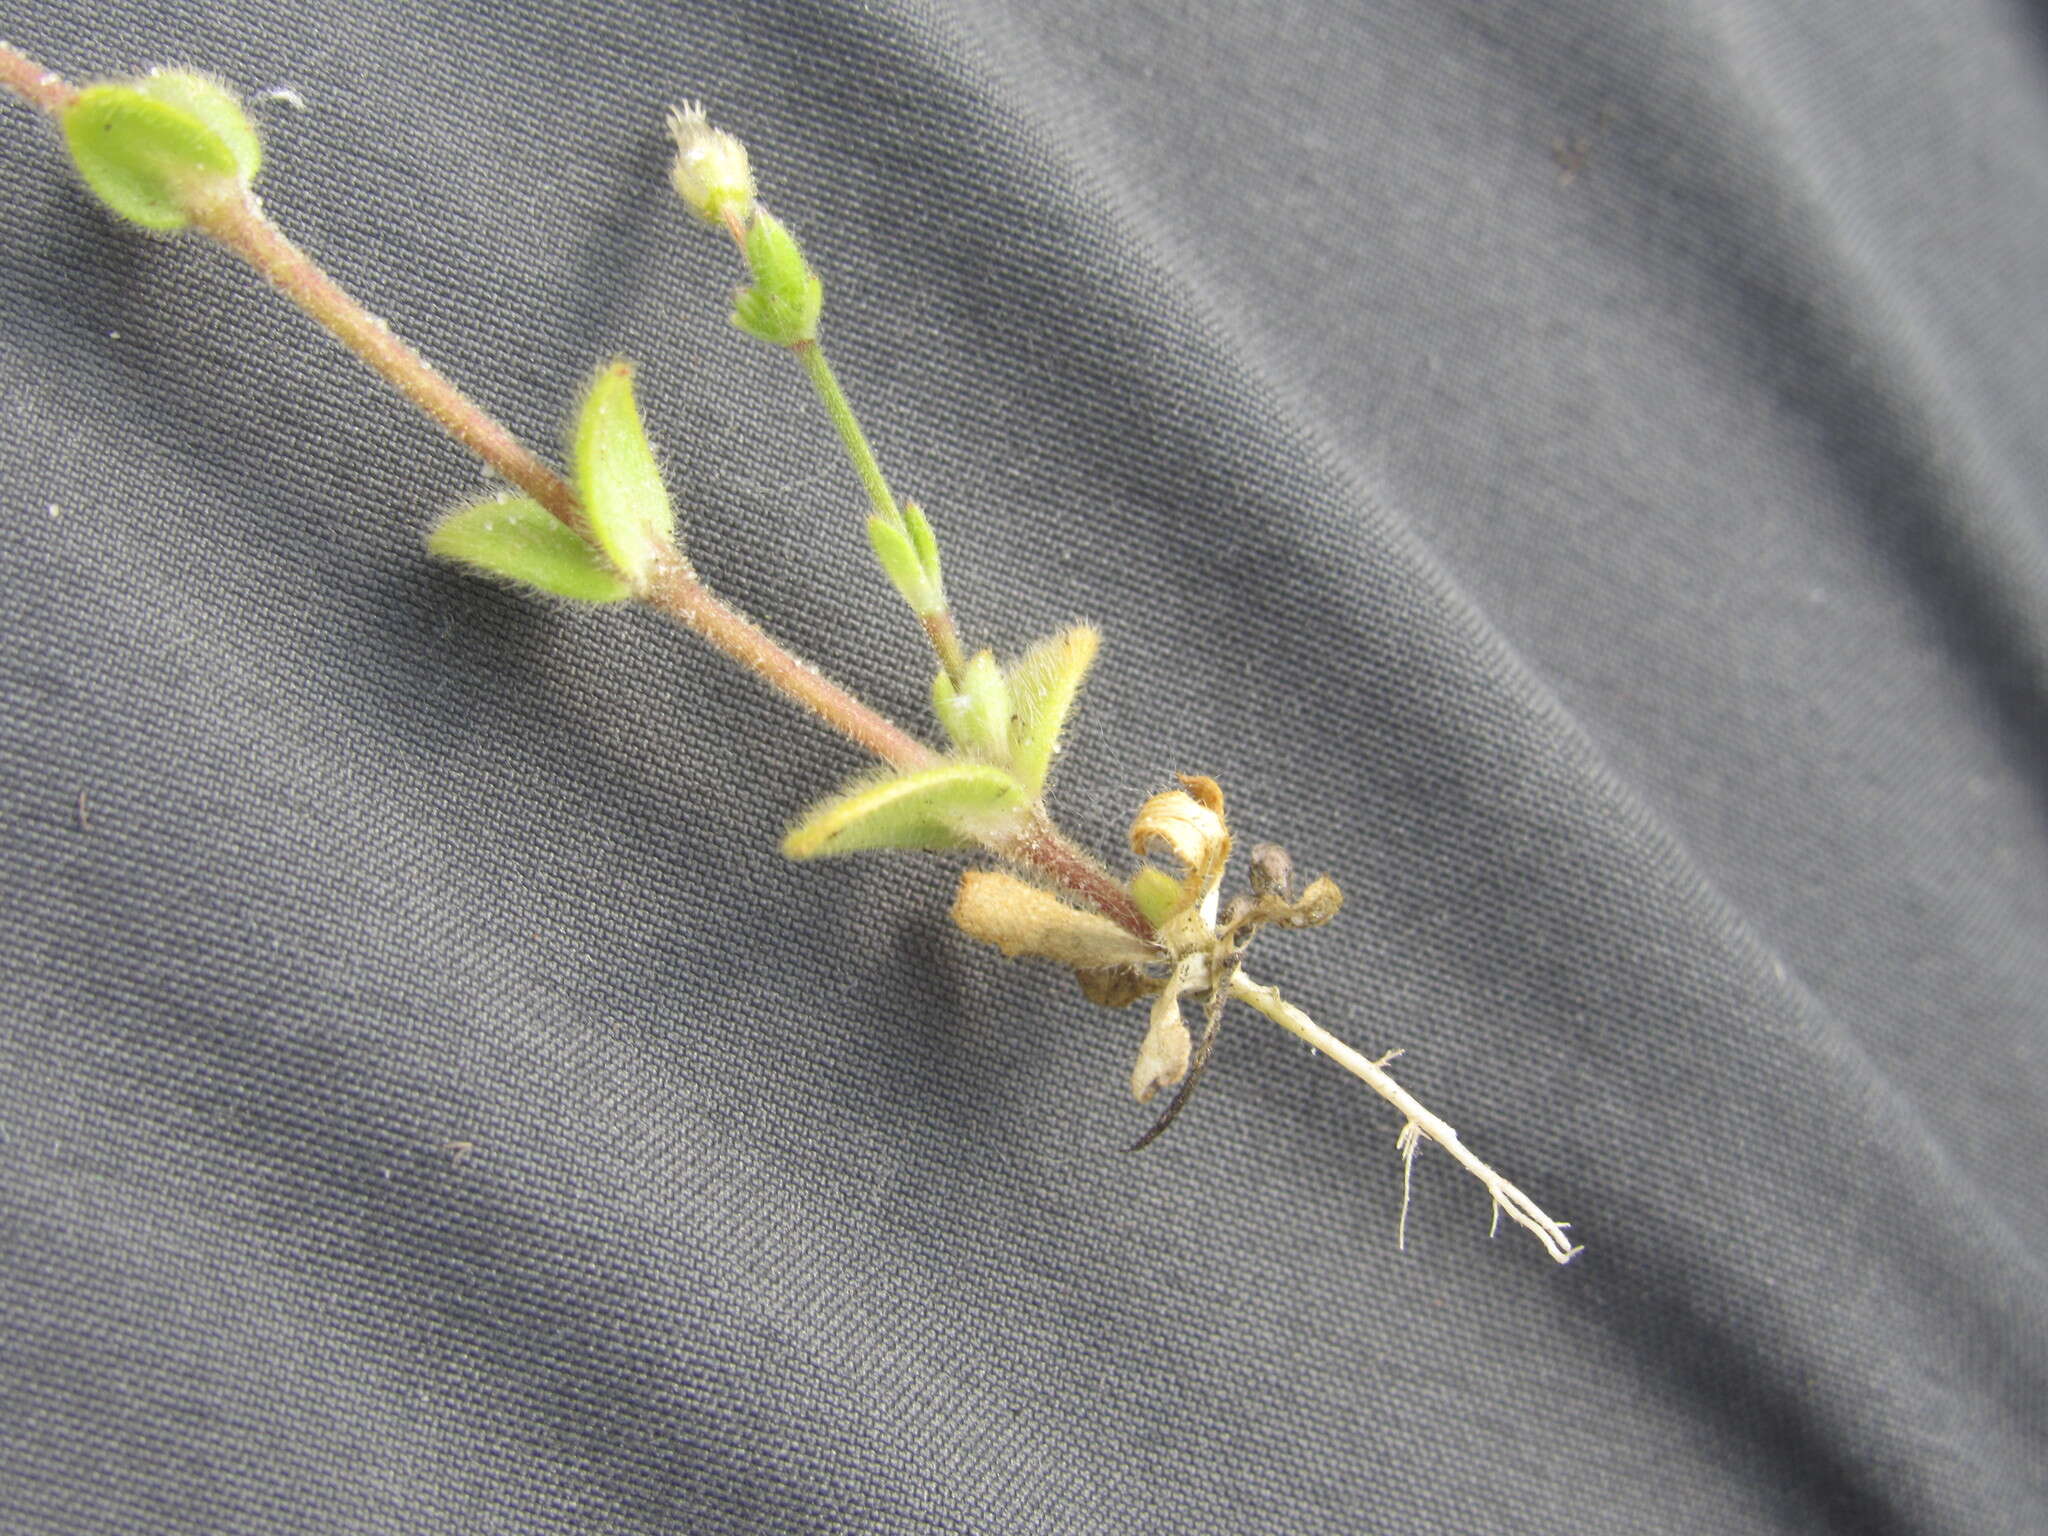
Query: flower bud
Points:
[710, 172]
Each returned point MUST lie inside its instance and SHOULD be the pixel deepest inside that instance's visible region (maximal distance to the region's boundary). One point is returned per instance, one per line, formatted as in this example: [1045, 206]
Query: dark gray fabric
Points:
[1579, 473]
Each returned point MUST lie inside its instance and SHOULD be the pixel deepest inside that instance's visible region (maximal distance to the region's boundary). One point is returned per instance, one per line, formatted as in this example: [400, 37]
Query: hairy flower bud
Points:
[710, 172]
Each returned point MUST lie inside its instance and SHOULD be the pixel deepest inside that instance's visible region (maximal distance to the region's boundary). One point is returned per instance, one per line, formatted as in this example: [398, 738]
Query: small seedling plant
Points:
[174, 150]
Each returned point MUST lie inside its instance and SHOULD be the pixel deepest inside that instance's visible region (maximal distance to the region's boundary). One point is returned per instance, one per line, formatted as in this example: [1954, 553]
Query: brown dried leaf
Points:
[1020, 919]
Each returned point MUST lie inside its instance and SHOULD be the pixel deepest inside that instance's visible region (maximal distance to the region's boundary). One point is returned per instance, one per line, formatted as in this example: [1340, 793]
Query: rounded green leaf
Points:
[150, 148]
[219, 108]
[618, 479]
[515, 537]
[926, 808]
[1043, 686]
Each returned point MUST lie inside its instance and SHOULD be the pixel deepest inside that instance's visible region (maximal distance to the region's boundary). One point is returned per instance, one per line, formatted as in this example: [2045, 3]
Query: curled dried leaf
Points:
[1206, 791]
[1188, 825]
[1272, 871]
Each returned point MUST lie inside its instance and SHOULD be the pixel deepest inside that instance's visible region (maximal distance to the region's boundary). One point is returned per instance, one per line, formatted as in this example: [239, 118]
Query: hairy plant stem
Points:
[1421, 1124]
[1039, 845]
[41, 88]
[237, 221]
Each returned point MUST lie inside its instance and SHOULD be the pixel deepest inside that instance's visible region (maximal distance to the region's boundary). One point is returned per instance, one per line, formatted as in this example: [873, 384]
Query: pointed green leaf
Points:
[148, 148]
[517, 538]
[927, 808]
[783, 306]
[898, 557]
[1043, 686]
[926, 543]
[618, 479]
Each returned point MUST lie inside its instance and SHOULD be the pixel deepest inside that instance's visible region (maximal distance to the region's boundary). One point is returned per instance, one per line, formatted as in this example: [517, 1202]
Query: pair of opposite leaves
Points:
[1004, 724]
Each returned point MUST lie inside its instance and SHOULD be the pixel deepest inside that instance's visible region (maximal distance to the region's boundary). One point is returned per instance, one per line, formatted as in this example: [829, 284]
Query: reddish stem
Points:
[238, 224]
[1045, 848]
[42, 88]
[677, 592]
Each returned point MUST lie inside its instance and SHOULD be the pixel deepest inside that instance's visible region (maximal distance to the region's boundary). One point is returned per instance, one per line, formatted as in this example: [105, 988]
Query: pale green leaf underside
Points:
[517, 538]
[927, 808]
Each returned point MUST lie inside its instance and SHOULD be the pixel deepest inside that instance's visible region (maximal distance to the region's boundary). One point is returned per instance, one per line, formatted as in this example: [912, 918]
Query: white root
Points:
[1420, 1125]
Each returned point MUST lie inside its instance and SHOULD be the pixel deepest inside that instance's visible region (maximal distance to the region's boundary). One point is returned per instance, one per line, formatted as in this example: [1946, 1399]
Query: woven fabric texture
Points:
[1576, 472]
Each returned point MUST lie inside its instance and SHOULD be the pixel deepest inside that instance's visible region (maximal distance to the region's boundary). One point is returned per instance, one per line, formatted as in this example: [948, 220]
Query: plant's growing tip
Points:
[783, 305]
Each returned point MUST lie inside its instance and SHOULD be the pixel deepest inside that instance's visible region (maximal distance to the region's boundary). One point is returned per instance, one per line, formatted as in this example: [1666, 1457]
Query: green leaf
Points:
[926, 543]
[1043, 687]
[774, 257]
[517, 538]
[783, 306]
[900, 563]
[214, 105]
[149, 148]
[926, 808]
[1157, 894]
[976, 715]
[618, 479]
